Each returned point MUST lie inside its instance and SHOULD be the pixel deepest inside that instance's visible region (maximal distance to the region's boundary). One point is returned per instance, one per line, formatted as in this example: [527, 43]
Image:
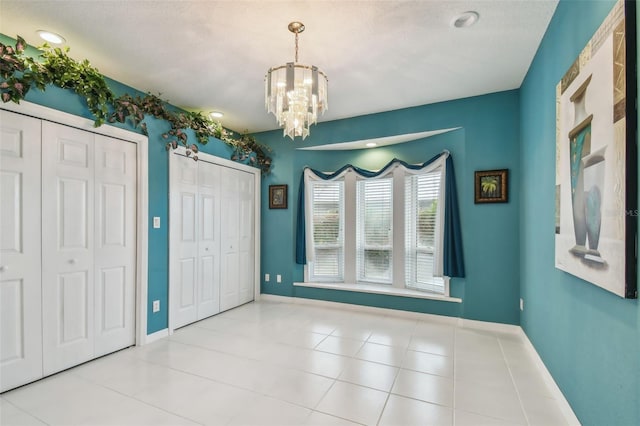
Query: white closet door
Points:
[208, 295]
[183, 236]
[67, 246]
[212, 239]
[115, 239]
[20, 251]
[246, 232]
[237, 232]
[230, 239]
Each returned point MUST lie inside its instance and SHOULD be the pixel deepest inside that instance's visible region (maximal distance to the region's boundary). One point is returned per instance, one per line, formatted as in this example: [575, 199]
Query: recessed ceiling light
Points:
[51, 37]
[216, 114]
[371, 144]
[466, 19]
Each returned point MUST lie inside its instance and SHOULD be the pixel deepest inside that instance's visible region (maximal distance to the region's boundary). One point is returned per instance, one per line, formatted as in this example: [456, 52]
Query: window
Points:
[422, 193]
[328, 240]
[374, 224]
[380, 228]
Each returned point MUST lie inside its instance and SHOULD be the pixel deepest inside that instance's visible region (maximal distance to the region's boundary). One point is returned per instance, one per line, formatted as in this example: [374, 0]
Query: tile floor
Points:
[271, 363]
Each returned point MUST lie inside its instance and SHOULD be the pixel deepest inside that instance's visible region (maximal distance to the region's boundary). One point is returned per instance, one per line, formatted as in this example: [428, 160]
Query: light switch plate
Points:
[156, 222]
[279, 278]
[267, 277]
[156, 306]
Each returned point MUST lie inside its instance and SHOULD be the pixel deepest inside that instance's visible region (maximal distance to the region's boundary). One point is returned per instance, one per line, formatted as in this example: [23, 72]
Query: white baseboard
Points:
[490, 326]
[161, 334]
[567, 411]
[360, 308]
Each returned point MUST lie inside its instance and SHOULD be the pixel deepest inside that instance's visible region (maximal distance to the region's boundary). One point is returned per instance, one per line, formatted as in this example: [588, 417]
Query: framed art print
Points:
[596, 159]
[491, 186]
[277, 196]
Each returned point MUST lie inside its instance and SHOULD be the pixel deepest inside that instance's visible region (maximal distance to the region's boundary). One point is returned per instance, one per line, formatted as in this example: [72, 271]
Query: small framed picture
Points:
[277, 196]
[491, 186]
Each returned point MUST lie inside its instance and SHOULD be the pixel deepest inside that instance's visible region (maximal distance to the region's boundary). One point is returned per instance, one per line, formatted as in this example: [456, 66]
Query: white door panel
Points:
[229, 278]
[246, 239]
[237, 282]
[183, 239]
[20, 251]
[188, 215]
[208, 279]
[208, 239]
[11, 211]
[75, 307]
[67, 246]
[112, 289]
[245, 280]
[229, 281]
[187, 296]
[115, 250]
[74, 213]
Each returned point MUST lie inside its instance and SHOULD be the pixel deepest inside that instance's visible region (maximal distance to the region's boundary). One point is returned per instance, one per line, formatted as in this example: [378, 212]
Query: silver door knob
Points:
[206, 249]
[72, 261]
[3, 268]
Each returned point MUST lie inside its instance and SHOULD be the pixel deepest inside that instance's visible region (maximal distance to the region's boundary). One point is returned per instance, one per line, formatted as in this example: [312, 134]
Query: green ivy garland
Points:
[19, 73]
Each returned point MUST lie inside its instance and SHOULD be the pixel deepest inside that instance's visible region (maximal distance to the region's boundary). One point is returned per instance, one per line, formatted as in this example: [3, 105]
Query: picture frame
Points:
[491, 186]
[277, 196]
[596, 205]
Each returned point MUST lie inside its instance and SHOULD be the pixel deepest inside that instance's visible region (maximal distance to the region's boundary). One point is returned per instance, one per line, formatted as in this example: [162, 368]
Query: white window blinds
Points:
[359, 224]
[422, 195]
[374, 235]
[328, 230]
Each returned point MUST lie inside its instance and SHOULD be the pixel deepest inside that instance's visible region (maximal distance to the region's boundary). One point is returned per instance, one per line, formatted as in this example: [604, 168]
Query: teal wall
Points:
[588, 338]
[488, 139]
[68, 101]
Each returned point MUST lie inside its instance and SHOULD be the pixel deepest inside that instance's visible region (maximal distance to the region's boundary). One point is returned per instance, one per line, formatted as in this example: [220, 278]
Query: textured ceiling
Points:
[212, 55]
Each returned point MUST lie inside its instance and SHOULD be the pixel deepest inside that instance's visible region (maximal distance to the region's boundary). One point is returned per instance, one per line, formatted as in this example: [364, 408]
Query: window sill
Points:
[380, 289]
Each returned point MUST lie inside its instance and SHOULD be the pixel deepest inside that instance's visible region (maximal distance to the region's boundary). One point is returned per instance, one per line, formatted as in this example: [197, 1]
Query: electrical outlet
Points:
[279, 278]
[156, 306]
[267, 277]
[521, 304]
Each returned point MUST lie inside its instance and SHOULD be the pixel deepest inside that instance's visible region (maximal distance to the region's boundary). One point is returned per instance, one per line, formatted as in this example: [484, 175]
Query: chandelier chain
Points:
[296, 46]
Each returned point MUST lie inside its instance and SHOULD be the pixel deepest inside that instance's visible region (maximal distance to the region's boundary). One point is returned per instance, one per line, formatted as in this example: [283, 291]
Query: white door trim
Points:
[142, 143]
[256, 190]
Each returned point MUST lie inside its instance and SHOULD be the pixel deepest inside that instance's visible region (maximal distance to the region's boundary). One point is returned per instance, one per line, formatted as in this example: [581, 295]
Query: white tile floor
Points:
[270, 363]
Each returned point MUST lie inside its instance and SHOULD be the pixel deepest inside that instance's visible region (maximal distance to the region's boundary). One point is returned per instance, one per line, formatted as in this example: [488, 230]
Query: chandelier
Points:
[296, 93]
